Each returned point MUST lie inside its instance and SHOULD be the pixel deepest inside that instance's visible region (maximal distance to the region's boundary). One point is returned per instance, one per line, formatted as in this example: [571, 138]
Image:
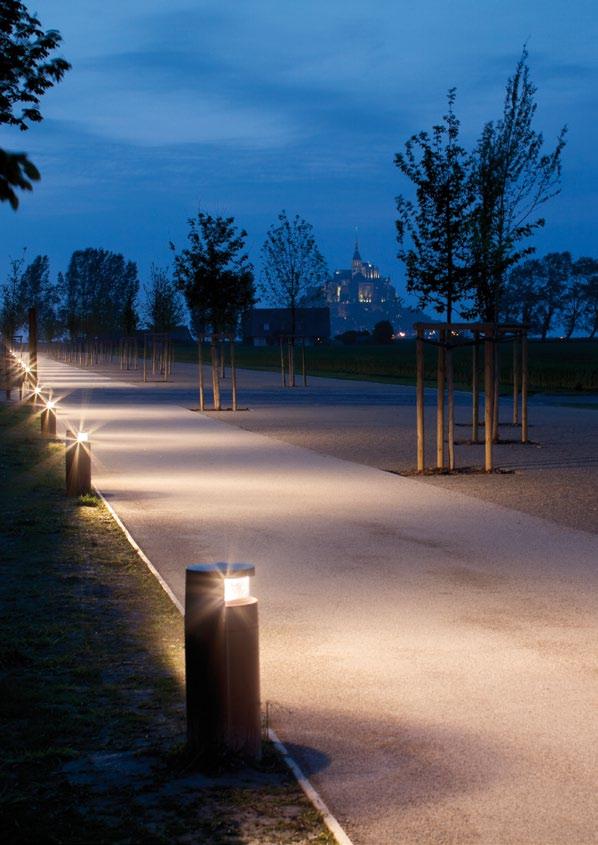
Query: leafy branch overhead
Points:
[26, 73]
[16, 172]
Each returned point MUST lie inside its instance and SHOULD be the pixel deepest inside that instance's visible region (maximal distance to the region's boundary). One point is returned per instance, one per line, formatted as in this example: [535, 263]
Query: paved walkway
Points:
[430, 656]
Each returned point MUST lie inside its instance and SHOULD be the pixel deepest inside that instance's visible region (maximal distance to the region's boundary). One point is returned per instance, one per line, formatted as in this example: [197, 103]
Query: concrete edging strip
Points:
[143, 556]
[304, 782]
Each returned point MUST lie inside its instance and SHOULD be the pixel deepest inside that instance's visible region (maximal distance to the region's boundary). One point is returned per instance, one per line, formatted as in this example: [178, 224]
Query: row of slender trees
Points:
[97, 296]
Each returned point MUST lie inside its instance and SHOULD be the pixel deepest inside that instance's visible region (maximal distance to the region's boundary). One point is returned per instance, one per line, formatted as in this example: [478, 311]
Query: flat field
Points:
[554, 366]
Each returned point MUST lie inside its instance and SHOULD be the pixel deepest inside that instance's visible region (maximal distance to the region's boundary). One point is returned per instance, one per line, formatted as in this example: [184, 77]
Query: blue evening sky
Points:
[250, 106]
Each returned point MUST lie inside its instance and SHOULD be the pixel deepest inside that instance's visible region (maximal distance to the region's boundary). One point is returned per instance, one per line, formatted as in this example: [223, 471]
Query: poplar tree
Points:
[216, 278]
[512, 178]
[292, 264]
[164, 309]
[432, 228]
[99, 291]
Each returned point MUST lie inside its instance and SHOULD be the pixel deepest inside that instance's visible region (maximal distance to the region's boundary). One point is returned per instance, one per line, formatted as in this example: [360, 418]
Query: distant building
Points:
[360, 297]
[361, 284]
[264, 326]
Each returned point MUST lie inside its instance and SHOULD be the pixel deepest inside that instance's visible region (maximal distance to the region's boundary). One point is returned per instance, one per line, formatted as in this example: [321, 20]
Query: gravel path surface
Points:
[429, 656]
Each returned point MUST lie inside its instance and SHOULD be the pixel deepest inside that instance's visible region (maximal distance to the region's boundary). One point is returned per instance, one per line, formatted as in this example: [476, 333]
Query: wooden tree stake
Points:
[475, 388]
[440, 402]
[488, 399]
[419, 349]
[524, 378]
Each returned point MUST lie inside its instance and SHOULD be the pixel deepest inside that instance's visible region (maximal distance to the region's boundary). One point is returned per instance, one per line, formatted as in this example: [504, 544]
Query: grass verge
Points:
[91, 689]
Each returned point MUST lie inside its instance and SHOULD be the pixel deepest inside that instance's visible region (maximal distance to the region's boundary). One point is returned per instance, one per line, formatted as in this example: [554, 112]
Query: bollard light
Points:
[78, 464]
[35, 395]
[48, 419]
[222, 663]
[236, 588]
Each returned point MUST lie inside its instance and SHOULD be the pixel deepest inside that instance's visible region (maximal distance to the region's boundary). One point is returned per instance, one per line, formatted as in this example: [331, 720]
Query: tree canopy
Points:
[164, 309]
[553, 290]
[99, 292]
[214, 273]
[432, 231]
[512, 178]
[473, 214]
[292, 264]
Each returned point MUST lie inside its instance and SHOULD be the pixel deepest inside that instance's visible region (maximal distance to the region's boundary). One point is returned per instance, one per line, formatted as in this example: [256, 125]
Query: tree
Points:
[556, 267]
[12, 313]
[432, 231]
[216, 278]
[574, 301]
[383, 332]
[26, 73]
[37, 291]
[164, 309]
[585, 270]
[512, 178]
[292, 264]
[521, 294]
[99, 292]
[129, 315]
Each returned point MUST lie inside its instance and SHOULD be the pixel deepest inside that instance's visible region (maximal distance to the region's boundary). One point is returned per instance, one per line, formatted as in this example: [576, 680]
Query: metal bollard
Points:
[222, 663]
[78, 464]
[35, 397]
[48, 420]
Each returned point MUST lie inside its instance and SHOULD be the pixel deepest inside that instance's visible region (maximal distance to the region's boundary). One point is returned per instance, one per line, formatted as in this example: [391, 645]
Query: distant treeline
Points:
[553, 291]
[97, 296]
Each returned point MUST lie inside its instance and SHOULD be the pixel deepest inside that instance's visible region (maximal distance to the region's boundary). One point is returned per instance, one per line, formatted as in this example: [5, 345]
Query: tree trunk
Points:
[201, 381]
[215, 371]
[419, 347]
[33, 344]
[292, 361]
[233, 373]
[488, 400]
[524, 380]
[450, 408]
[515, 381]
[440, 403]
[496, 401]
[283, 375]
[475, 389]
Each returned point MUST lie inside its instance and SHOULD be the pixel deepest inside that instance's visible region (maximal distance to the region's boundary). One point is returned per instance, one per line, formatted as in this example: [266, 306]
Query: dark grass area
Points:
[553, 366]
[91, 693]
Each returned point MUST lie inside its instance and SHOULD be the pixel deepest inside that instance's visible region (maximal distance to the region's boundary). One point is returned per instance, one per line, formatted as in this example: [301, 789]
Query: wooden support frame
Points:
[446, 337]
[287, 361]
